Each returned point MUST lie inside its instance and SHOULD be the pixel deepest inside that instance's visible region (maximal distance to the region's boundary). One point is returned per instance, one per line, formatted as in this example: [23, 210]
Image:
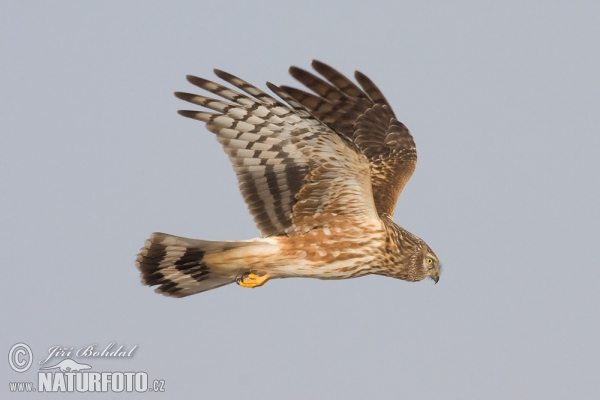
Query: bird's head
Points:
[430, 263]
[416, 260]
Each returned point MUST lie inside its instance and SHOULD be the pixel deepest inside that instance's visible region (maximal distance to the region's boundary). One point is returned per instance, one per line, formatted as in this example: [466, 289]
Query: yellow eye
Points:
[429, 261]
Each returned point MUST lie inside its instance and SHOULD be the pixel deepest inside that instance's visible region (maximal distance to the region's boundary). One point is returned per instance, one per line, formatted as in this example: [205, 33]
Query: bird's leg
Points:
[251, 281]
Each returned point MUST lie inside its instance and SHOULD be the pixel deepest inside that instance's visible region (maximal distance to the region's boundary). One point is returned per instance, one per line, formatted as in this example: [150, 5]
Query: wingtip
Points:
[226, 76]
[188, 97]
[220, 73]
[273, 86]
[359, 75]
[187, 113]
[194, 80]
[294, 70]
[316, 64]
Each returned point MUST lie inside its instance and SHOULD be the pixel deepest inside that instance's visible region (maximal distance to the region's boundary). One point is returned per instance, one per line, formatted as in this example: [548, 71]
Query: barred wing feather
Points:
[364, 115]
[294, 172]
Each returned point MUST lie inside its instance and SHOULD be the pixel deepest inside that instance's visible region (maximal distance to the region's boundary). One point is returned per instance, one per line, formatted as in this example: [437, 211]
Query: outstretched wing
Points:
[363, 115]
[294, 172]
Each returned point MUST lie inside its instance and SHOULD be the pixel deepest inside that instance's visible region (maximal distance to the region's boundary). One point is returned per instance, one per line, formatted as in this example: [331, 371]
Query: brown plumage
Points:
[320, 173]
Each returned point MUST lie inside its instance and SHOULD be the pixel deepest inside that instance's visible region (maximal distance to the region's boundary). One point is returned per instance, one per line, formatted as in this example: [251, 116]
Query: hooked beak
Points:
[435, 278]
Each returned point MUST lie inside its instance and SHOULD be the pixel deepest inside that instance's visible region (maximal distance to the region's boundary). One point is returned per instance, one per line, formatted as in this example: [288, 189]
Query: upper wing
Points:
[294, 172]
[365, 116]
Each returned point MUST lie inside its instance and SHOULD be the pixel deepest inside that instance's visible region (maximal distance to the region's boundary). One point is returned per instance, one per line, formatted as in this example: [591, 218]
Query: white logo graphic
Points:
[69, 375]
[69, 365]
[20, 357]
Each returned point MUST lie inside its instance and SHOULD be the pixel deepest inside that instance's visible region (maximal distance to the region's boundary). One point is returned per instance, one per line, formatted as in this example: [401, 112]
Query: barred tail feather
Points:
[176, 264]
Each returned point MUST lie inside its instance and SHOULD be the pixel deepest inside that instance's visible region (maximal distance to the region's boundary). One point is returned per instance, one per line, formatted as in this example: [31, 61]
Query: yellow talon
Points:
[252, 281]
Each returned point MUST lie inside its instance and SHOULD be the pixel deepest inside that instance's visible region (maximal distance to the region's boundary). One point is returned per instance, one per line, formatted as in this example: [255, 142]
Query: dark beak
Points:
[435, 279]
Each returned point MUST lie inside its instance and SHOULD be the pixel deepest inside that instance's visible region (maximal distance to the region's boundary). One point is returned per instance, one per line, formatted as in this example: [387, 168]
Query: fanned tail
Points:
[176, 264]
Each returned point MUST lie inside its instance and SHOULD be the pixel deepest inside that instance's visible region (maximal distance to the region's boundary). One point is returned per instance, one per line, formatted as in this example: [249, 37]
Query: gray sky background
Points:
[502, 99]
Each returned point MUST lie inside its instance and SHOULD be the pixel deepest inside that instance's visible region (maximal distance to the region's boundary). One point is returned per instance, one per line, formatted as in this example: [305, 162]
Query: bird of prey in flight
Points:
[321, 173]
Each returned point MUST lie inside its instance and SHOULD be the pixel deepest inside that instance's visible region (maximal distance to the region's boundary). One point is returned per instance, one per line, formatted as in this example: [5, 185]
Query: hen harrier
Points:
[320, 173]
